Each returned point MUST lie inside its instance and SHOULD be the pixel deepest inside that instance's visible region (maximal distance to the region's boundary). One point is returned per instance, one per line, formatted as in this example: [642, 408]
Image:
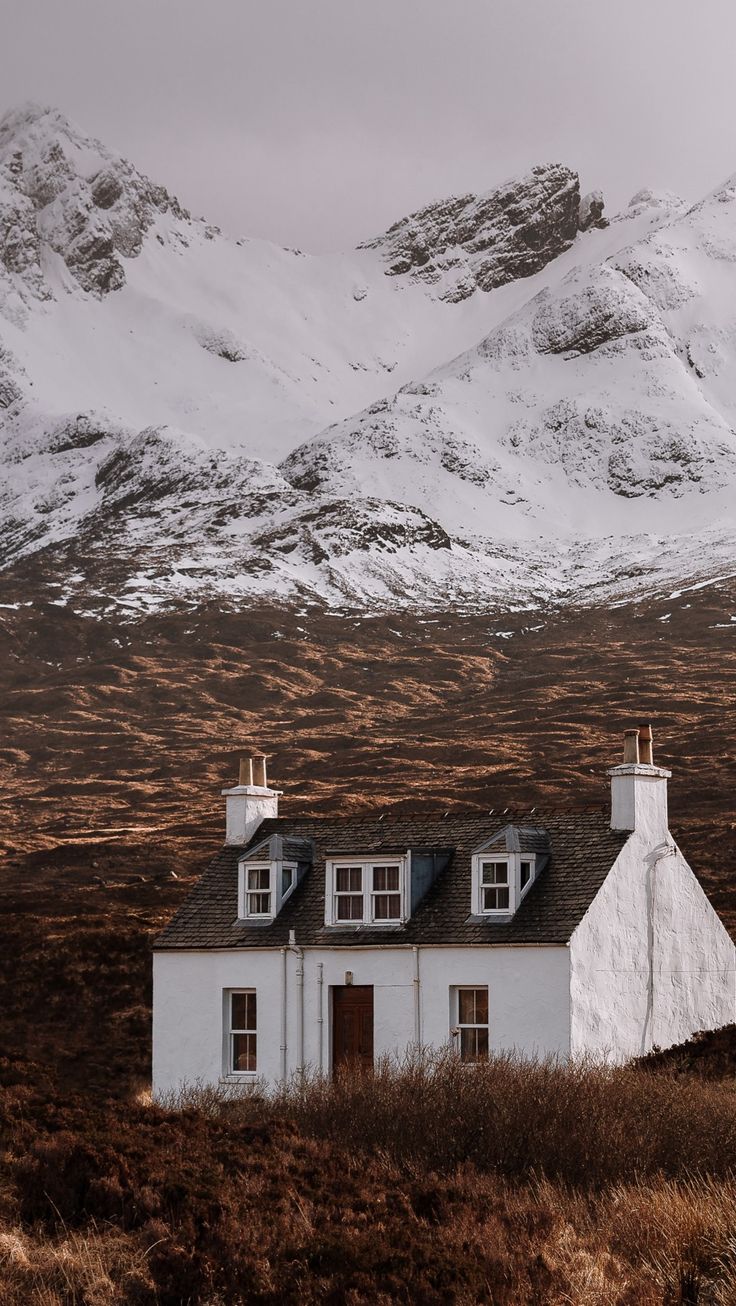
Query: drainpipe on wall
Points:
[652, 862]
[299, 954]
[417, 1007]
[283, 1015]
[320, 1016]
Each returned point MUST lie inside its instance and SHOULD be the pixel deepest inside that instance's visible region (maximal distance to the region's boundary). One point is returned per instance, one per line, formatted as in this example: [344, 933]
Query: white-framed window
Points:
[241, 1016]
[258, 891]
[367, 891]
[494, 885]
[471, 1028]
[264, 887]
[500, 881]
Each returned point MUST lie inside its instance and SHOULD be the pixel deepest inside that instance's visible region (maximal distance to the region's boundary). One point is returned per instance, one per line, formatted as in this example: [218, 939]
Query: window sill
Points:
[239, 1077]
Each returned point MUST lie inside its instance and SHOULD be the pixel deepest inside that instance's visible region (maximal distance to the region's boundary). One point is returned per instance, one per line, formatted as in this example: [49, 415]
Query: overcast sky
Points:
[318, 122]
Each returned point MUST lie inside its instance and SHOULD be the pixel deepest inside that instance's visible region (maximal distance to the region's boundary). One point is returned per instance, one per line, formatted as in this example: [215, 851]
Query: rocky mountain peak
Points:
[472, 242]
[69, 192]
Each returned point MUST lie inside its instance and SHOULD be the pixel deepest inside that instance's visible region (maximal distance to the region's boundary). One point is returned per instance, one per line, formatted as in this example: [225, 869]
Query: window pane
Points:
[473, 1044]
[387, 907]
[481, 1006]
[495, 873]
[237, 1011]
[348, 879]
[244, 1052]
[259, 904]
[287, 879]
[472, 1006]
[385, 878]
[495, 899]
[526, 873]
[259, 877]
[250, 1011]
[349, 907]
[243, 1011]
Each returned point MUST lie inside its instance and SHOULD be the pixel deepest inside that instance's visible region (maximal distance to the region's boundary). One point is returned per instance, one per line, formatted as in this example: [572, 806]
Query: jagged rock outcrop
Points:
[591, 211]
[87, 204]
[475, 242]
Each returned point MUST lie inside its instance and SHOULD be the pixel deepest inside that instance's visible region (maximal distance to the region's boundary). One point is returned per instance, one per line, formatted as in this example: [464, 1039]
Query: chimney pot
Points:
[245, 774]
[259, 771]
[646, 755]
[639, 788]
[631, 746]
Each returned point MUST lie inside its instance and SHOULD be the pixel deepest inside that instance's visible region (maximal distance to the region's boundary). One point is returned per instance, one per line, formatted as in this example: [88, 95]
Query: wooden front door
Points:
[352, 1026]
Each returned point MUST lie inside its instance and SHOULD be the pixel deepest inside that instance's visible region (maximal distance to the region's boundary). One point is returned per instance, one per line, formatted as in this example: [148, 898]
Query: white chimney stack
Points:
[250, 802]
[639, 788]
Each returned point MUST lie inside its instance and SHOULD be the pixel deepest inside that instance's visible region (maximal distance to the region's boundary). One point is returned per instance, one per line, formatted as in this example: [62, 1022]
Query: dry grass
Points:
[514, 1184]
[97, 1268]
[481, 1240]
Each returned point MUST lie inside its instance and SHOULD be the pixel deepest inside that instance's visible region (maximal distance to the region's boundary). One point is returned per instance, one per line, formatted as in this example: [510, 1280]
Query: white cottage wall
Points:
[650, 963]
[529, 998]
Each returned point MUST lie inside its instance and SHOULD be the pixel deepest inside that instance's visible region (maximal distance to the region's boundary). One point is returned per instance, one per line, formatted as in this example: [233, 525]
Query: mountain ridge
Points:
[505, 398]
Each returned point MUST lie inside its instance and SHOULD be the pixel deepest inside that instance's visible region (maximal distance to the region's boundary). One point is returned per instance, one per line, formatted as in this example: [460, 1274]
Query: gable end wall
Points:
[650, 963]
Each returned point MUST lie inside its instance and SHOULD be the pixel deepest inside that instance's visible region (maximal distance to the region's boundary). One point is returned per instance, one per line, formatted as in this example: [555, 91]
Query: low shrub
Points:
[584, 1124]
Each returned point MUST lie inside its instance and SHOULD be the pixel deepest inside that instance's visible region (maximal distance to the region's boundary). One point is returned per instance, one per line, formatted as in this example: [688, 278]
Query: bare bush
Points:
[583, 1123]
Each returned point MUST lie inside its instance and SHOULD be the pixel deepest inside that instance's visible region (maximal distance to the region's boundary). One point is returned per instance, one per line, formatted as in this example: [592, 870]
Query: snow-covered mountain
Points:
[503, 398]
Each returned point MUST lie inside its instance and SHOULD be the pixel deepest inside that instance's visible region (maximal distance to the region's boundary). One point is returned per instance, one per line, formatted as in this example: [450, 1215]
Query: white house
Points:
[313, 941]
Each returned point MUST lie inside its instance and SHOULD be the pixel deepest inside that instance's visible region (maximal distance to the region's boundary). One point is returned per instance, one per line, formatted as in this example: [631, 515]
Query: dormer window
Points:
[504, 870]
[269, 873]
[265, 886]
[367, 891]
[500, 883]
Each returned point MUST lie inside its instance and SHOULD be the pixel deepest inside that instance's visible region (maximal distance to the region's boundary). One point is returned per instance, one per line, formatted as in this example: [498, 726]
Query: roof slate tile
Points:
[582, 845]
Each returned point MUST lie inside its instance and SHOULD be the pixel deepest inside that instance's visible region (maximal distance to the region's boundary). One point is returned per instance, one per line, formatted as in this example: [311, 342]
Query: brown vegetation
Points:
[121, 735]
[437, 1185]
[536, 1184]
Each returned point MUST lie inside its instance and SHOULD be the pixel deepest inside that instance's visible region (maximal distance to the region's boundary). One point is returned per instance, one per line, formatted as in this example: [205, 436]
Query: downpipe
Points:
[417, 1001]
[299, 954]
[320, 1014]
[282, 1048]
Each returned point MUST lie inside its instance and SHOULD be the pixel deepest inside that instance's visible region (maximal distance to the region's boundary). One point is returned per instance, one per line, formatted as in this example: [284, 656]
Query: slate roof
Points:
[582, 847]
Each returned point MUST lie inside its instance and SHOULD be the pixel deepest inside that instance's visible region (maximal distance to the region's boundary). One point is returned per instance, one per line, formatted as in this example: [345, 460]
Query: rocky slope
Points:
[472, 242]
[504, 399]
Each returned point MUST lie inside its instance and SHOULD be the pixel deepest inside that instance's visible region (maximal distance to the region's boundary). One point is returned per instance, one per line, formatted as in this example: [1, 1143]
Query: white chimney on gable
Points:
[250, 802]
[639, 788]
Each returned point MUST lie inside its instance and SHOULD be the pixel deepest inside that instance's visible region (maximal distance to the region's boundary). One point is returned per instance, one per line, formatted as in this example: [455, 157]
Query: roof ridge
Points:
[441, 813]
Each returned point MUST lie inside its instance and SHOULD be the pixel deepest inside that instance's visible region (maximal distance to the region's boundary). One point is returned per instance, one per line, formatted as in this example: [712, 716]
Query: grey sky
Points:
[319, 122]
